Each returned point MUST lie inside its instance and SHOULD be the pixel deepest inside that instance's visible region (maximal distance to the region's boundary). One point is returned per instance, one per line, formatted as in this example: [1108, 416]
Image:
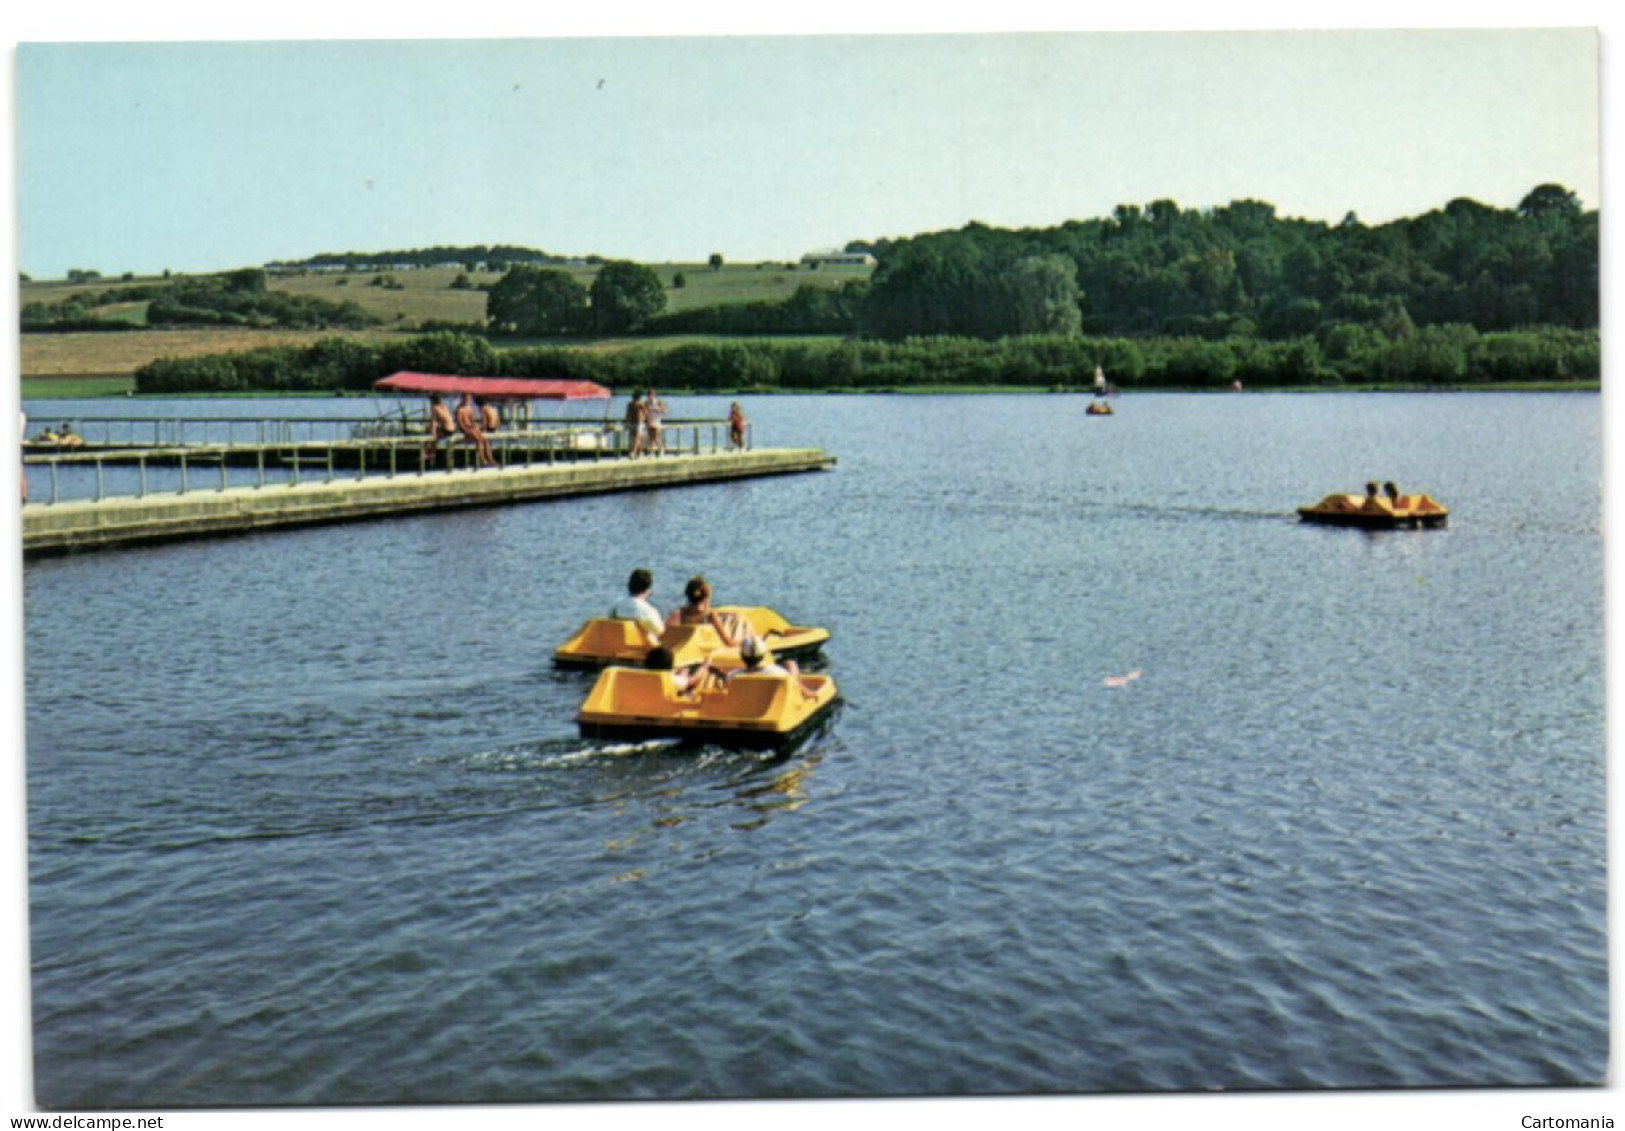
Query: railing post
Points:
[141, 464]
[183, 471]
[53, 481]
[259, 460]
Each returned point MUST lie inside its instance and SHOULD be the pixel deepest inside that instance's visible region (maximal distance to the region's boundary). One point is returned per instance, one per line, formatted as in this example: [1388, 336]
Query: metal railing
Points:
[182, 468]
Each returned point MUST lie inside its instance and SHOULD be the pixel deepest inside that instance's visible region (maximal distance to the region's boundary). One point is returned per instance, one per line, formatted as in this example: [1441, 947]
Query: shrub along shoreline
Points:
[1434, 357]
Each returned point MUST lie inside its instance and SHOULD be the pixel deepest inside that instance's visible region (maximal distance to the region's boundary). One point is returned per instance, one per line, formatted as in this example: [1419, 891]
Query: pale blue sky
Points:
[202, 156]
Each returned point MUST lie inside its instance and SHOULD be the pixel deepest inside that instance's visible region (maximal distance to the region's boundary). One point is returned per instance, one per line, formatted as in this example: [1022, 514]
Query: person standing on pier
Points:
[654, 410]
[440, 426]
[736, 426]
[468, 423]
[634, 422]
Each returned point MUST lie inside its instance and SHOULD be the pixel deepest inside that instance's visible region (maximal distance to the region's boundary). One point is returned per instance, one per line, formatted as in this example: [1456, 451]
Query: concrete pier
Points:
[126, 521]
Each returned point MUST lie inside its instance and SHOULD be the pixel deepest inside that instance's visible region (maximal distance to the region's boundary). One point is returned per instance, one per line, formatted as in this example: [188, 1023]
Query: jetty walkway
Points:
[315, 487]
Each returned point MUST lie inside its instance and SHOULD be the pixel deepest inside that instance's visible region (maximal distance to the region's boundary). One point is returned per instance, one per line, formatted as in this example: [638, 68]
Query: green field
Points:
[414, 297]
[426, 295]
[61, 388]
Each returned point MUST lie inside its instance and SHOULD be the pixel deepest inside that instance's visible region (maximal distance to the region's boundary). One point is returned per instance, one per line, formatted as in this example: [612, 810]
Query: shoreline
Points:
[79, 388]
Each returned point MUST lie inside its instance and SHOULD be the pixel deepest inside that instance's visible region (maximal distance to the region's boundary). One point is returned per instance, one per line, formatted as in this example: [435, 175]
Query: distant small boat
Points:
[1390, 511]
[1098, 408]
[760, 712]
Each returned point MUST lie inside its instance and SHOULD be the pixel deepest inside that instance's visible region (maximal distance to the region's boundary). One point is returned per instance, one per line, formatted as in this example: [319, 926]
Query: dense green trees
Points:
[625, 296]
[471, 258]
[1240, 270]
[240, 298]
[546, 301]
[537, 301]
[1446, 355]
[235, 298]
[1158, 295]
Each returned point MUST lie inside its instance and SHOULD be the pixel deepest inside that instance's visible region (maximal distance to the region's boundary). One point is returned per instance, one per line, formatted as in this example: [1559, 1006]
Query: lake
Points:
[309, 821]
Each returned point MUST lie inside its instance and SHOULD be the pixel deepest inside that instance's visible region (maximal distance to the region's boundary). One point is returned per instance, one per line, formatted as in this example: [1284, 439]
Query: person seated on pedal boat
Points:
[687, 681]
[753, 651]
[698, 611]
[635, 605]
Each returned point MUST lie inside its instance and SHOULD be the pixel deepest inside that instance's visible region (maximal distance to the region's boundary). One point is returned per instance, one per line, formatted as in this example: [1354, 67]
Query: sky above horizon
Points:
[200, 156]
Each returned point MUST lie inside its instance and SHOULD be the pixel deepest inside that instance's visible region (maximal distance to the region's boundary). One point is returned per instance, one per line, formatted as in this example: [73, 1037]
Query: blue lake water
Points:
[309, 821]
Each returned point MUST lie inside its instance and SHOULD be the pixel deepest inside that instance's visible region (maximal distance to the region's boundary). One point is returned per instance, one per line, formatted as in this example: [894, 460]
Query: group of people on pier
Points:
[645, 425]
[644, 420]
[476, 418]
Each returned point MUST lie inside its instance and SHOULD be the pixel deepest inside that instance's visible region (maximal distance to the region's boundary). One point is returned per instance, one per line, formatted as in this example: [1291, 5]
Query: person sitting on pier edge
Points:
[440, 426]
[686, 680]
[736, 426]
[490, 418]
[635, 605]
[699, 611]
[634, 421]
[468, 423]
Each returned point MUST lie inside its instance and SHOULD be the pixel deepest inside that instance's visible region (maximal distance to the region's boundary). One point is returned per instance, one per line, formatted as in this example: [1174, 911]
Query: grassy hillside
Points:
[427, 296]
[411, 300]
[108, 355]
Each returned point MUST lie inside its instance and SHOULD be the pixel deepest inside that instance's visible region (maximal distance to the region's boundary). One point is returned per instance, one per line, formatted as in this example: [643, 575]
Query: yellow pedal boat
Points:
[760, 712]
[604, 641]
[1098, 408]
[1377, 512]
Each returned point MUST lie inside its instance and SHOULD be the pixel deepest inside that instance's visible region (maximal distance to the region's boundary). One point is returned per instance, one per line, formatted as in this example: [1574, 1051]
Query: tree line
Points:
[1239, 271]
[235, 298]
[1435, 356]
[471, 257]
[1243, 271]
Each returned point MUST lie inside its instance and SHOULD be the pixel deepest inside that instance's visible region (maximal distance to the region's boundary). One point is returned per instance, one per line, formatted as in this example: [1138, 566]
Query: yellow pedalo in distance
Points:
[1389, 511]
[759, 712]
[604, 641]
